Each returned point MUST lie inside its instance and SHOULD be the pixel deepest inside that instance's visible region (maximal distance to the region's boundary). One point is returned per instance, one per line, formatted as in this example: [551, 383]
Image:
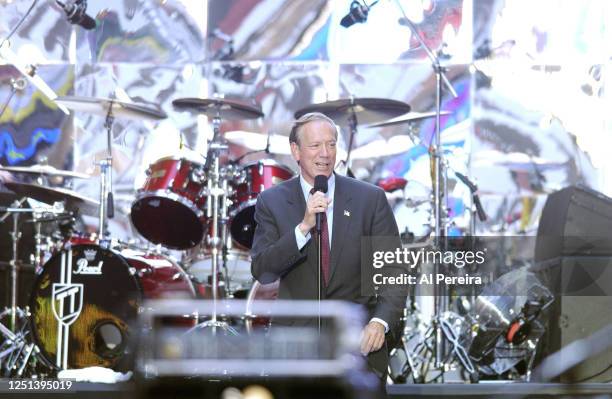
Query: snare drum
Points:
[258, 177]
[238, 269]
[169, 209]
[85, 303]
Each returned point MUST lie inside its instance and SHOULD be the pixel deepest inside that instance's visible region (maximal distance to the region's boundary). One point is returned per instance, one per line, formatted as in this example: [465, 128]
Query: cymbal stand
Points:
[15, 352]
[439, 184]
[106, 180]
[216, 210]
[352, 120]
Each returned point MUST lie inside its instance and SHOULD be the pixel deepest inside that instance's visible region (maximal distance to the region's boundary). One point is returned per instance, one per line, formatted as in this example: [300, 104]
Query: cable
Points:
[19, 23]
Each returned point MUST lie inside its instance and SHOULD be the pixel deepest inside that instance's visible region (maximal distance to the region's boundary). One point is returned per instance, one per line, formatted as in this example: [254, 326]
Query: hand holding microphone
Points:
[317, 204]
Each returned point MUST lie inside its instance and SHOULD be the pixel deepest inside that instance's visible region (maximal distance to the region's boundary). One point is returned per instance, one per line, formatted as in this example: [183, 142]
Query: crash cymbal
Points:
[258, 141]
[383, 148]
[71, 199]
[409, 117]
[121, 109]
[367, 110]
[46, 170]
[219, 107]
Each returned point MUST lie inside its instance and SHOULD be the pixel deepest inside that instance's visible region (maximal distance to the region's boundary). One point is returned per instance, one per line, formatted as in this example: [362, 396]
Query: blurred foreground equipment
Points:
[291, 359]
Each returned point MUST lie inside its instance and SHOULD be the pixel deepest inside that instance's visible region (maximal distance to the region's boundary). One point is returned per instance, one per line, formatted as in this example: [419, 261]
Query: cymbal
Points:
[121, 109]
[221, 107]
[258, 141]
[44, 170]
[72, 199]
[383, 148]
[409, 117]
[367, 110]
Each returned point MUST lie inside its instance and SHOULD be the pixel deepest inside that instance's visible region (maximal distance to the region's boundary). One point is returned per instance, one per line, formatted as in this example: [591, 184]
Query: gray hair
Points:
[304, 119]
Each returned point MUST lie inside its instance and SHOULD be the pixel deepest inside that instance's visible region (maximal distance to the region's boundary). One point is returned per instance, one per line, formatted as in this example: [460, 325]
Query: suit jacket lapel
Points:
[296, 201]
[342, 222]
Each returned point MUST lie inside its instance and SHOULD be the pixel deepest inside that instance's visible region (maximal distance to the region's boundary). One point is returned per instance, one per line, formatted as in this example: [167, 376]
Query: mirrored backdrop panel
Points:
[144, 31]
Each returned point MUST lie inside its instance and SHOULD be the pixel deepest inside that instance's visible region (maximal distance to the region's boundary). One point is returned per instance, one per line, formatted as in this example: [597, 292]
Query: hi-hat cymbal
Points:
[409, 117]
[72, 199]
[120, 109]
[258, 141]
[367, 110]
[47, 170]
[219, 107]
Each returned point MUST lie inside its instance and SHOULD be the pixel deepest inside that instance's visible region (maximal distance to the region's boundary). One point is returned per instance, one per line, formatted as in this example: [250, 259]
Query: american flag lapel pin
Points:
[347, 213]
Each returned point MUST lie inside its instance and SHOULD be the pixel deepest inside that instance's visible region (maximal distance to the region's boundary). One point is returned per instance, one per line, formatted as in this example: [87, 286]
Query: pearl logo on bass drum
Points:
[83, 266]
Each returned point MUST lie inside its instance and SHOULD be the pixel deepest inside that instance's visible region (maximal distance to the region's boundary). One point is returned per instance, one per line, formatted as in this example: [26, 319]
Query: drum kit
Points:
[88, 288]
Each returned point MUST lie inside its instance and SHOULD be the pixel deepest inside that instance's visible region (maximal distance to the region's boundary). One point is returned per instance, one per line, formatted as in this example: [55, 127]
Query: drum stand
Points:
[216, 210]
[106, 180]
[15, 351]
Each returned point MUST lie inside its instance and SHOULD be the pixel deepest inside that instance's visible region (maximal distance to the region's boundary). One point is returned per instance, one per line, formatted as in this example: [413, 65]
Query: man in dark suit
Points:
[284, 246]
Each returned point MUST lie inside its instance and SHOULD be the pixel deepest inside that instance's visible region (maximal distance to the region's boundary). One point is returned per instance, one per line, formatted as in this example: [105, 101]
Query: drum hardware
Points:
[439, 180]
[217, 210]
[14, 348]
[16, 85]
[16, 352]
[217, 188]
[29, 73]
[15, 212]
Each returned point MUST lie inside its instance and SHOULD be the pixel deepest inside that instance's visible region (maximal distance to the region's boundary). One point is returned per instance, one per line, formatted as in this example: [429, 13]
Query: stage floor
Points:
[482, 390]
[500, 390]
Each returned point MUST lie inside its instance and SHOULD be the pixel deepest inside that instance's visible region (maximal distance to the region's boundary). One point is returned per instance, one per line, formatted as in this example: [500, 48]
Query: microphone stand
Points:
[319, 276]
[439, 183]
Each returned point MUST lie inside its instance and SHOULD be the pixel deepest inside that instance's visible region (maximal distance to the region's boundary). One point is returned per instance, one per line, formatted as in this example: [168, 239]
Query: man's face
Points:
[316, 152]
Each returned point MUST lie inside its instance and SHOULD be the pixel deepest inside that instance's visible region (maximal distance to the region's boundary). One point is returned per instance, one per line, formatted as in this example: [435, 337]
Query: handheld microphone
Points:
[320, 184]
[357, 14]
[75, 11]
